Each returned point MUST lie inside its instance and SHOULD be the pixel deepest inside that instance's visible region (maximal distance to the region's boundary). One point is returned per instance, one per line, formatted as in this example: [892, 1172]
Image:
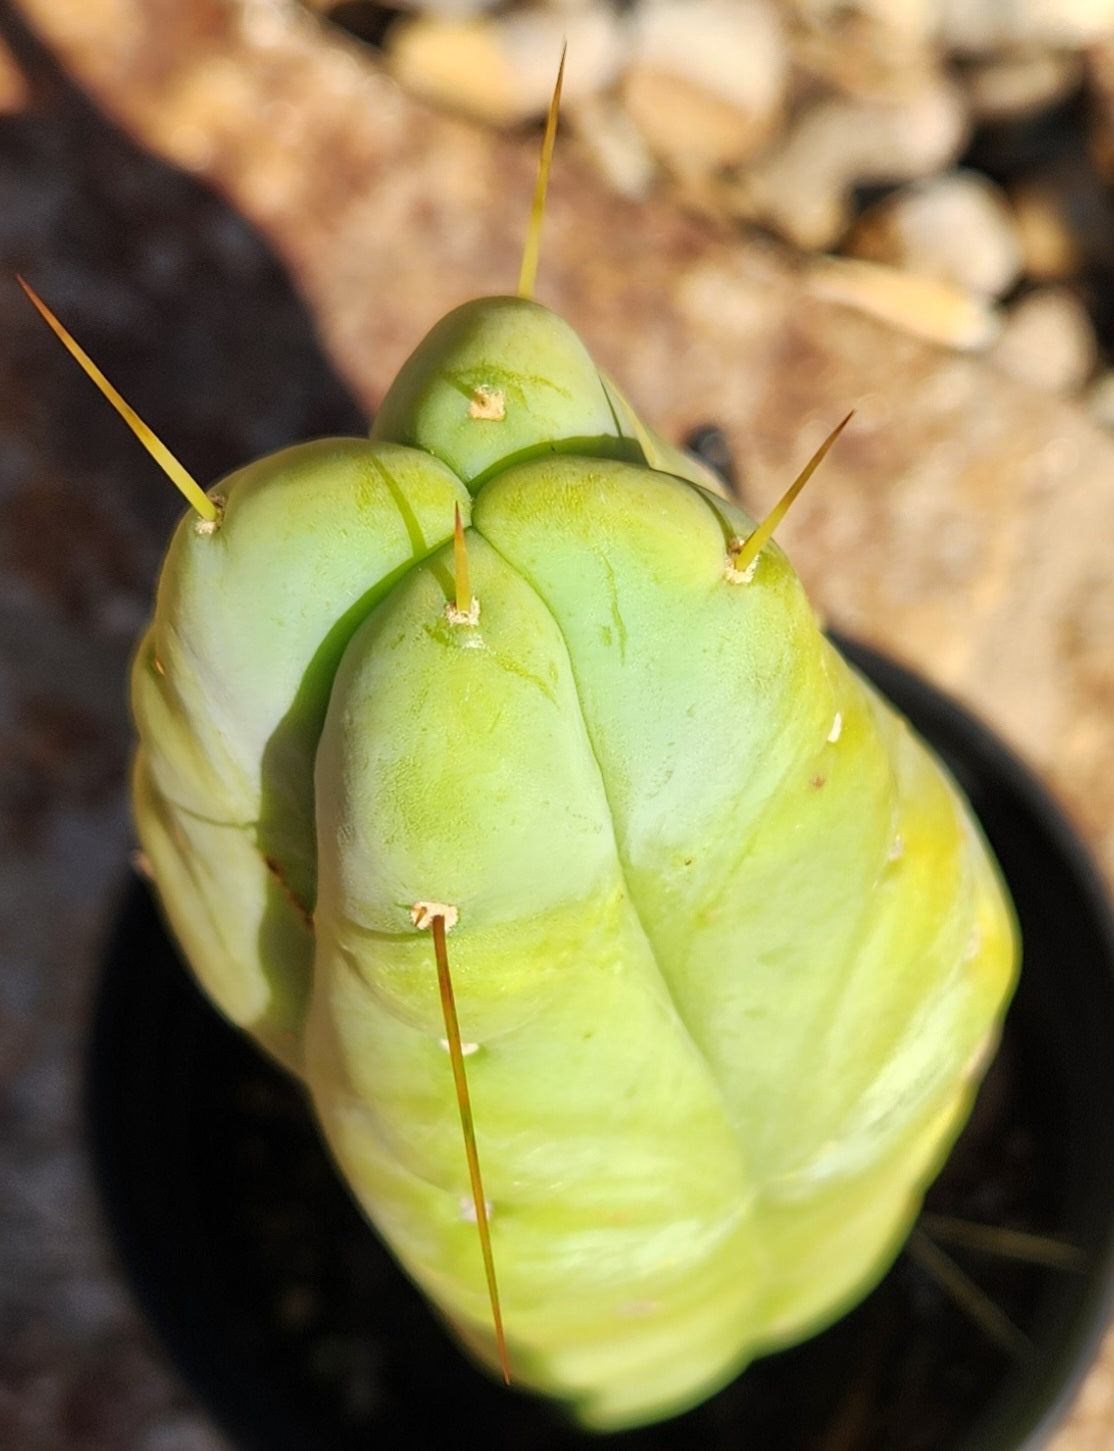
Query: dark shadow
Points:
[189, 312]
[193, 317]
[177, 297]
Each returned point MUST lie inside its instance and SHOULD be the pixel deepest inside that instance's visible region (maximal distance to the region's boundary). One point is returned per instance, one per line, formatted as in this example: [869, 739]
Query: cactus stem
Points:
[528, 274]
[439, 917]
[194, 494]
[743, 553]
[464, 609]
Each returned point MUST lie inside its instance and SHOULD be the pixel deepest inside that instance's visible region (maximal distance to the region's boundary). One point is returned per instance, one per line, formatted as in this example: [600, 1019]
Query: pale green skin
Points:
[731, 947]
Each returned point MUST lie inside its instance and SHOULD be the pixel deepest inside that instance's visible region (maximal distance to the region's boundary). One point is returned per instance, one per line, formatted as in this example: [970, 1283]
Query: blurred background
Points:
[764, 213]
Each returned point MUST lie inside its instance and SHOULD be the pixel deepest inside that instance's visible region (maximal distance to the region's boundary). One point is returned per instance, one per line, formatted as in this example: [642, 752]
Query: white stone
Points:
[501, 69]
[915, 20]
[995, 25]
[705, 81]
[872, 49]
[14, 90]
[732, 48]
[937, 311]
[454, 9]
[692, 132]
[1100, 400]
[1006, 87]
[803, 189]
[606, 133]
[957, 228]
[1048, 341]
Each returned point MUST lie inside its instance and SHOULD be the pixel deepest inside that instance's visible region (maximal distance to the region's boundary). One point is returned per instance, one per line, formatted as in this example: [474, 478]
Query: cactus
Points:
[510, 683]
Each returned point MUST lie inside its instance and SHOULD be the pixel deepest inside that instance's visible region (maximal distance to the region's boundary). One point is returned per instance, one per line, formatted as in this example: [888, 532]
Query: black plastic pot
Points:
[296, 1330]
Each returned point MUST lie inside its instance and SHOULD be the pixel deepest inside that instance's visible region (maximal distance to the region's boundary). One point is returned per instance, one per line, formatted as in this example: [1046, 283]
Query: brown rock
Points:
[1050, 247]
[13, 88]
[957, 228]
[1099, 66]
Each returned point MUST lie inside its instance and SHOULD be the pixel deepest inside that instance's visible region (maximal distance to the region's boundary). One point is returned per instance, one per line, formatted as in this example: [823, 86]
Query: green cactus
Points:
[728, 952]
[729, 946]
